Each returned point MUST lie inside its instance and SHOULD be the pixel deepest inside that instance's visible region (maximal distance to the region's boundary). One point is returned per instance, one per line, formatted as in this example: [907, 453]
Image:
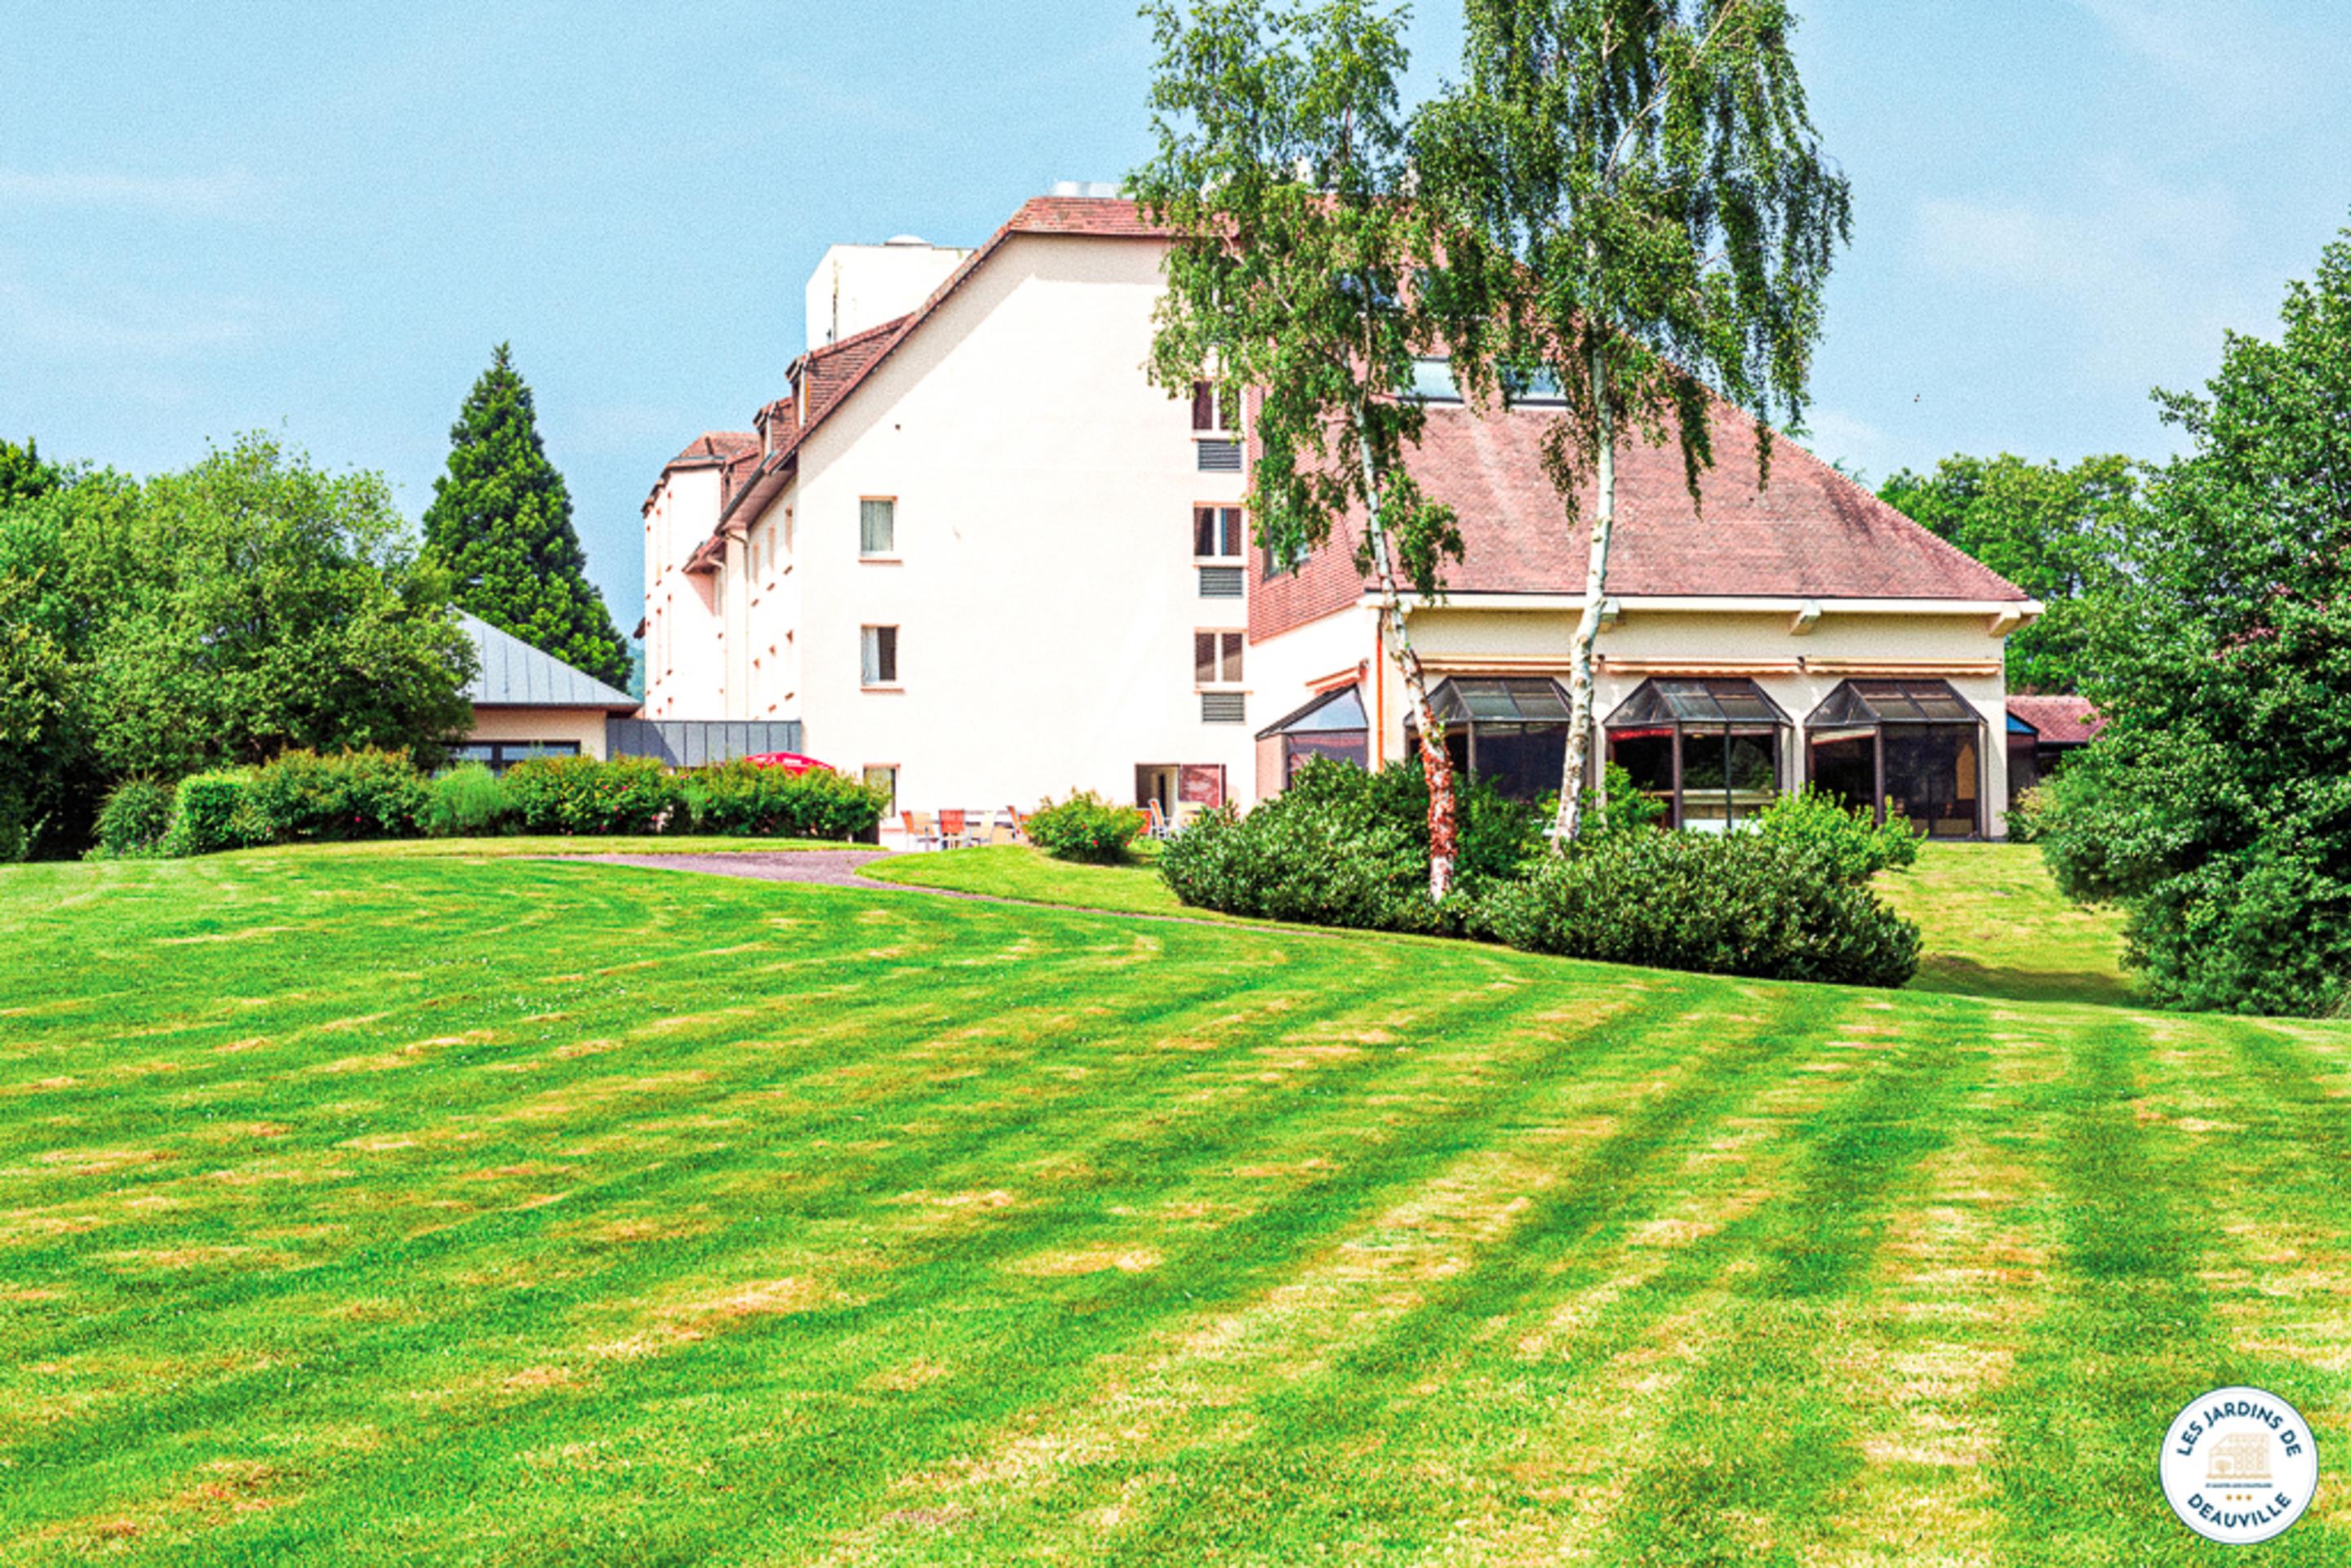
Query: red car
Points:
[791, 762]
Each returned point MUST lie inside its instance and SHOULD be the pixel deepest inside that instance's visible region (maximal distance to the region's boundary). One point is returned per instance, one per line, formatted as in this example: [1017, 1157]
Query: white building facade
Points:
[981, 559]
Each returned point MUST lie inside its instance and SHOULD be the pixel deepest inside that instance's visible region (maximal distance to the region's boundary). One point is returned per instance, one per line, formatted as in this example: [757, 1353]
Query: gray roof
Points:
[515, 674]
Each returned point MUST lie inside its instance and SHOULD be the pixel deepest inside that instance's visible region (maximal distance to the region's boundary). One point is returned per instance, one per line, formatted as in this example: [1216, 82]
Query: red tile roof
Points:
[713, 446]
[1812, 534]
[2059, 721]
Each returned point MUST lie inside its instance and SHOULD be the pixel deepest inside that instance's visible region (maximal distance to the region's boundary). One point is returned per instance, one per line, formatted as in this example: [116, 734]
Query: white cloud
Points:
[1857, 446]
[2132, 263]
[225, 192]
[128, 325]
[2225, 52]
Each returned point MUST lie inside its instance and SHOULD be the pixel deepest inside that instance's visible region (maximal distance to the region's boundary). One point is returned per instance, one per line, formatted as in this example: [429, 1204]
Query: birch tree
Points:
[1638, 188]
[1281, 166]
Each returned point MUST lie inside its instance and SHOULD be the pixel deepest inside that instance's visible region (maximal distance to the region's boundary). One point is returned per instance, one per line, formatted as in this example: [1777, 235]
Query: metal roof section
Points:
[1697, 702]
[1339, 712]
[1862, 703]
[1479, 699]
[514, 675]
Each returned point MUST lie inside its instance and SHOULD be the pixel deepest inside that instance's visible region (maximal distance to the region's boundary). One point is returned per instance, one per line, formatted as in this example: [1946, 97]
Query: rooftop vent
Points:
[906, 239]
[1087, 190]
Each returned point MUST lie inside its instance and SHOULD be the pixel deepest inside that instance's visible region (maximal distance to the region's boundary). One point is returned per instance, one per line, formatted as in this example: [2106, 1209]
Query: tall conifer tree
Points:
[500, 523]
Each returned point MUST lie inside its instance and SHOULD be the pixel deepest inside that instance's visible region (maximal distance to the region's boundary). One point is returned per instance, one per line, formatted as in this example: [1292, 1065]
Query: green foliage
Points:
[571, 796]
[1852, 840]
[1636, 210]
[135, 818]
[2060, 533]
[1722, 904]
[24, 476]
[1344, 847]
[500, 525]
[742, 798]
[300, 797]
[249, 605]
[2215, 804]
[1085, 827]
[210, 813]
[1624, 808]
[467, 802]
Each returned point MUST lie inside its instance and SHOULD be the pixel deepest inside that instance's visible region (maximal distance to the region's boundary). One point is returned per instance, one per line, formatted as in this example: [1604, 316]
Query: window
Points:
[1224, 582]
[499, 755]
[881, 656]
[1276, 563]
[1224, 707]
[1220, 456]
[1213, 408]
[877, 527]
[1432, 382]
[1217, 657]
[1912, 749]
[1710, 748]
[883, 776]
[1217, 530]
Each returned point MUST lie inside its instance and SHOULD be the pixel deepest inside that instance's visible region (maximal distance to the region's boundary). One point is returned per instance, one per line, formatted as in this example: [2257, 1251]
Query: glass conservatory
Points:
[1511, 731]
[1333, 725]
[1913, 750]
[1714, 750]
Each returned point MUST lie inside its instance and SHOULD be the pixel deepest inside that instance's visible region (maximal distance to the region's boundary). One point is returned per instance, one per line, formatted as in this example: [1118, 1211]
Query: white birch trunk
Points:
[1569, 824]
[1396, 636]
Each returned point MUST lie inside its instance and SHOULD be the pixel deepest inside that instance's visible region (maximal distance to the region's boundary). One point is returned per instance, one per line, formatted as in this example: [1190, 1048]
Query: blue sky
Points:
[319, 219]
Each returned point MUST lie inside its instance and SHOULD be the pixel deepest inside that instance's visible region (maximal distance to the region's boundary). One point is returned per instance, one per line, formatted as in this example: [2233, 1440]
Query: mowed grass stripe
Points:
[1227, 1010]
[1029, 1344]
[716, 1221]
[1165, 1407]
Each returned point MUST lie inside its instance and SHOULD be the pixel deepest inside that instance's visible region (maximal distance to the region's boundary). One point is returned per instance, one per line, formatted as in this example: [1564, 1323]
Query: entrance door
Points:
[1155, 781]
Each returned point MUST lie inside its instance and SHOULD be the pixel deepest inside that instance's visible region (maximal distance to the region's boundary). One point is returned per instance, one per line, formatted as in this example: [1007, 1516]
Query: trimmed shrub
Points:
[466, 802]
[135, 818]
[1850, 838]
[1730, 904]
[743, 798]
[1344, 847]
[302, 798]
[209, 814]
[571, 796]
[1085, 827]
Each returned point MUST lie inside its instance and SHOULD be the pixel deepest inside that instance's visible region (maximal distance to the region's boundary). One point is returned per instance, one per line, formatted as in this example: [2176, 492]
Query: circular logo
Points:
[2239, 1465]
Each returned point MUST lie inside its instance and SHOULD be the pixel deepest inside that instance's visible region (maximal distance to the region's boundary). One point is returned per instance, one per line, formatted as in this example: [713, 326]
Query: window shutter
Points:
[1223, 582]
[1224, 707]
[1219, 457]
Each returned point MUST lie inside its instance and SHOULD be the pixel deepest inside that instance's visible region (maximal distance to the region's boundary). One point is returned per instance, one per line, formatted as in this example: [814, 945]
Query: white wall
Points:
[861, 285]
[685, 654]
[1043, 579]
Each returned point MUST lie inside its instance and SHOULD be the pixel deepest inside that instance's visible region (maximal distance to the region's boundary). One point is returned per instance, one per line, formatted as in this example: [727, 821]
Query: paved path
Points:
[825, 868]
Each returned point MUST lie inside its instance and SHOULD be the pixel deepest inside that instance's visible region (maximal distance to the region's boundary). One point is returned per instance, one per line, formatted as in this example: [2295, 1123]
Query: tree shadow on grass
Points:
[1952, 976]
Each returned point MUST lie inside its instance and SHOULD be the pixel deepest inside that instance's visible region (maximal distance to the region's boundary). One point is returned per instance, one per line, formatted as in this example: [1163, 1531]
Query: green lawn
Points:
[1995, 923]
[390, 1207]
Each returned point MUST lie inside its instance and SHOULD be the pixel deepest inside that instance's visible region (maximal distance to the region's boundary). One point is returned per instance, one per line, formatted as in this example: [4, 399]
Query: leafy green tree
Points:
[251, 604]
[1281, 165]
[500, 523]
[2058, 533]
[1636, 193]
[23, 473]
[2216, 802]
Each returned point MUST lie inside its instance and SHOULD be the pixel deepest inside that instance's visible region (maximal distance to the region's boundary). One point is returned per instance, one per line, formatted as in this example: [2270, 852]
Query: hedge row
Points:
[1788, 900]
[304, 797]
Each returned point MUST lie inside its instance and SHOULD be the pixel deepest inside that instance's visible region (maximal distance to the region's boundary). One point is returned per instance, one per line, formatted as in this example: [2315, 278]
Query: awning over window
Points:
[1494, 699]
[1865, 703]
[1339, 712]
[1686, 702]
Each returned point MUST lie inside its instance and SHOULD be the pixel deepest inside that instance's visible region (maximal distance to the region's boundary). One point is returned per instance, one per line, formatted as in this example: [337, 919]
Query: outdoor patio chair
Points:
[1156, 820]
[921, 831]
[951, 829]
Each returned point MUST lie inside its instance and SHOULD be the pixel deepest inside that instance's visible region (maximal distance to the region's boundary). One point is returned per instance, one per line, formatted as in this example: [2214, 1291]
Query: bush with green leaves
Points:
[1341, 846]
[1767, 907]
[743, 798]
[210, 813]
[467, 803]
[1085, 827]
[583, 796]
[135, 818]
[301, 797]
[1851, 838]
